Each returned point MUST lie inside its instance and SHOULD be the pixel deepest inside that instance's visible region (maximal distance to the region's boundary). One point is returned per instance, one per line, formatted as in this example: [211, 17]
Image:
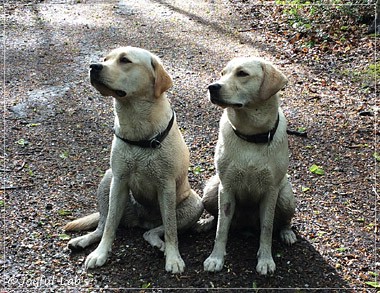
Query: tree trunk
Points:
[374, 27]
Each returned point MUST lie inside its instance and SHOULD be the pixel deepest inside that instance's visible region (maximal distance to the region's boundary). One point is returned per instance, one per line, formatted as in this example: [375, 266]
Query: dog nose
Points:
[96, 66]
[214, 87]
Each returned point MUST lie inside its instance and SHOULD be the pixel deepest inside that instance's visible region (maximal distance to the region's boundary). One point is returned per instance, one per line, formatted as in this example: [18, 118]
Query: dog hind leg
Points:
[95, 236]
[285, 210]
[210, 203]
[210, 195]
[85, 240]
[154, 237]
[187, 214]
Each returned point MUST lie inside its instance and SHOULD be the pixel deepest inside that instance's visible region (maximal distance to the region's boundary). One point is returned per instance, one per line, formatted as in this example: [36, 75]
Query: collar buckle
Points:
[155, 144]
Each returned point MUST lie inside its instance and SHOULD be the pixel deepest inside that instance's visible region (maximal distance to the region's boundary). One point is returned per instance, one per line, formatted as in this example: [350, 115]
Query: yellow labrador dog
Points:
[147, 185]
[251, 157]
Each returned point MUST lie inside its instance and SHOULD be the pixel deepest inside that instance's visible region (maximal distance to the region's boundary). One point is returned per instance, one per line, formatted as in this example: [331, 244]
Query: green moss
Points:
[374, 69]
[370, 73]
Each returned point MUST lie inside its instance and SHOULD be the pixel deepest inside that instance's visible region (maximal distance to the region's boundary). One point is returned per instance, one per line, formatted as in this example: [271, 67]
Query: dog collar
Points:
[153, 143]
[266, 137]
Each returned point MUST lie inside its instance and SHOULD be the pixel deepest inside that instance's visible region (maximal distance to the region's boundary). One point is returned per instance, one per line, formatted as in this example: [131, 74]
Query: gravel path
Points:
[58, 135]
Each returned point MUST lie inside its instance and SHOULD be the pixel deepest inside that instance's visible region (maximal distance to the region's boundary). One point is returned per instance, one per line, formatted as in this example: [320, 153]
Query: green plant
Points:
[196, 170]
[64, 155]
[146, 285]
[318, 24]
[374, 69]
[64, 212]
[22, 142]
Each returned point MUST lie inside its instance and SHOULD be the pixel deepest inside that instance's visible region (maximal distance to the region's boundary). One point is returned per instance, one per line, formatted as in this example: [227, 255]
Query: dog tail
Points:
[86, 223]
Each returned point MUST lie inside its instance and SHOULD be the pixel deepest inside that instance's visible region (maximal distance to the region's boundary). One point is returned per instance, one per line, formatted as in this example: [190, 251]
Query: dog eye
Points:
[125, 60]
[241, 73]
[222, 73]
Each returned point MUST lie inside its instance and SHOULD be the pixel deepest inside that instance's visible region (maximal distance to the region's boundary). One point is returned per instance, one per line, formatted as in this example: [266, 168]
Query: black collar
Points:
[153, 143]
[266, 137]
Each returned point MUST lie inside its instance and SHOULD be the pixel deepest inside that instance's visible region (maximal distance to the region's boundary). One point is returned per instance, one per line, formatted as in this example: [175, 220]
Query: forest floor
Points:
[58, 131]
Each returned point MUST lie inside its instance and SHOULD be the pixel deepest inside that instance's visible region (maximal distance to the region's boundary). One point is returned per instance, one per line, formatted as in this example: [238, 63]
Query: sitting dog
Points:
[251, 158]
[147, 185]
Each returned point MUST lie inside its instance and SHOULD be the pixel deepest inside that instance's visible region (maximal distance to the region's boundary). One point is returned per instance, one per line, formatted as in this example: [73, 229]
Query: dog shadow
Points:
[133, 263]
[299, 266]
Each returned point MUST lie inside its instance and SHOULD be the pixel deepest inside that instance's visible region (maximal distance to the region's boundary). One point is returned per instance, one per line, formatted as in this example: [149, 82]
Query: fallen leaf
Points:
[373, 284]
[64, 212]
[64, 237]
[315, 169]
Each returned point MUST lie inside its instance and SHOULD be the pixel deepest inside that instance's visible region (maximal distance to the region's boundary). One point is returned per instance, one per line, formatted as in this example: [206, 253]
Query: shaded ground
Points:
[58, 133]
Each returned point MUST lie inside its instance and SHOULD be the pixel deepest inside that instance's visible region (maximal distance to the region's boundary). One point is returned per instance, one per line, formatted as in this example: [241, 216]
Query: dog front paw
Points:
[265, 266]
[175, 265]
[97, 258]
[213, 264]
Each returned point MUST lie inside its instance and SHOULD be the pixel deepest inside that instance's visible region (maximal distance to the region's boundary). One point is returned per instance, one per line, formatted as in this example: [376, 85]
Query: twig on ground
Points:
[14, 187]
[296, 133]
[22, 167]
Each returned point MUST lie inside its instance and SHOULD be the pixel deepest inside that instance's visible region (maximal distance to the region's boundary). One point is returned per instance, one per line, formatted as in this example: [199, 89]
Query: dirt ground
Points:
[58, 130]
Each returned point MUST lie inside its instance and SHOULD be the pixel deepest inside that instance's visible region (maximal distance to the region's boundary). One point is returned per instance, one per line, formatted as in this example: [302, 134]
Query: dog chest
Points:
[137, 168]
[248, 183]
[247, 168]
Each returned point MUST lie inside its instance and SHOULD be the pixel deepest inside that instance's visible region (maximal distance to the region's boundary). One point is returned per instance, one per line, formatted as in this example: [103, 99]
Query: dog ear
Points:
[163, 81]
[273, 81]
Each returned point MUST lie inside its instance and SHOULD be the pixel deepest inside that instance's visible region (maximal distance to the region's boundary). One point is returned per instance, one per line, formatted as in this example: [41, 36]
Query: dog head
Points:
[245, 82]
[127, 72]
